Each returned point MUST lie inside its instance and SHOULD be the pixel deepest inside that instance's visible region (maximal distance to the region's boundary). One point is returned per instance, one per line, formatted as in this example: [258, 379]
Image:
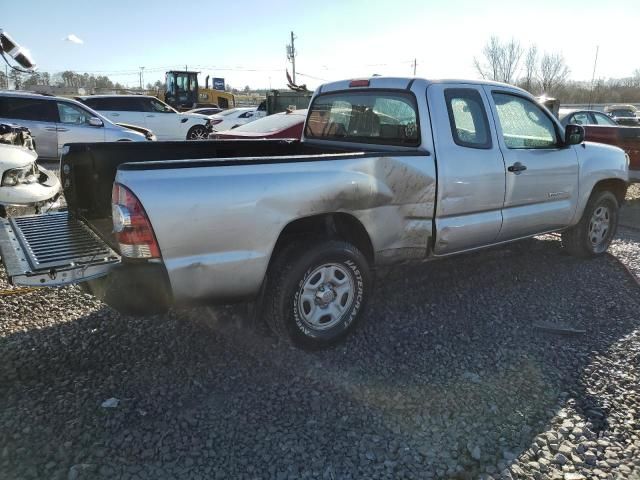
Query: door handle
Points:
[517, 168]
[115, 114]
[62, 129]
[51, 129]
[150, 116]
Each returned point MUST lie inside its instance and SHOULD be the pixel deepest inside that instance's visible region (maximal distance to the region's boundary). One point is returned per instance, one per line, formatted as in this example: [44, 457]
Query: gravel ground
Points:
[454, 374]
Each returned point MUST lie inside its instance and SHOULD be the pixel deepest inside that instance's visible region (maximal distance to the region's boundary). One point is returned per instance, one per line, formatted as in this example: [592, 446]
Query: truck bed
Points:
[89, 169]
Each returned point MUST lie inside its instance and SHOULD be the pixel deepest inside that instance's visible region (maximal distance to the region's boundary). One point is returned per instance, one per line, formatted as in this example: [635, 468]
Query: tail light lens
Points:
[131, 225]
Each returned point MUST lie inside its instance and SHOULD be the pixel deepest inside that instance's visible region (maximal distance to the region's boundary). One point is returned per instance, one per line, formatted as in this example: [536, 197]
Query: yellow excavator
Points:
[183, 93]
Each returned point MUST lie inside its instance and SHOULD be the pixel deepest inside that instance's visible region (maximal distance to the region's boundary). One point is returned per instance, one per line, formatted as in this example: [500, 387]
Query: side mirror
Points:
[95, 122]
[573, 134]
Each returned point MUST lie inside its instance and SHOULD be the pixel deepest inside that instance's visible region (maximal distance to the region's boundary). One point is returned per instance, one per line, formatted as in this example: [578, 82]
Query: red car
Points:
[279, 125]
[600, 128]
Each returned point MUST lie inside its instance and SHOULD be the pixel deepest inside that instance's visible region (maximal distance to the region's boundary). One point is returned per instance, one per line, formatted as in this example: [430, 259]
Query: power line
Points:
[314, 78]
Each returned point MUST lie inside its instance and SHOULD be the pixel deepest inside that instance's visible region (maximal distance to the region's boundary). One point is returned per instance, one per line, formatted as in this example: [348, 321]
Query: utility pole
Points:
[415, 64]
[291, 55]
[593, 76]
[141, 77]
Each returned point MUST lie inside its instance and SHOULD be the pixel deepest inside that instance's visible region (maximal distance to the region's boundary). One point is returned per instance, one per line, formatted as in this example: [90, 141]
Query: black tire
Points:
[197, 132]
[283, 303]
[3, 211]
[579, 239]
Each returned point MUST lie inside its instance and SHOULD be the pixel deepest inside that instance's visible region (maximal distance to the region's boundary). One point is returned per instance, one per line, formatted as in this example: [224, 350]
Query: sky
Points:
[244, 41]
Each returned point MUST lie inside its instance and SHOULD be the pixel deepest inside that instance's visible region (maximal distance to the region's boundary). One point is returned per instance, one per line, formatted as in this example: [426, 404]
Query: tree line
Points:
[547, 73]
[504, 61]
[68, 78]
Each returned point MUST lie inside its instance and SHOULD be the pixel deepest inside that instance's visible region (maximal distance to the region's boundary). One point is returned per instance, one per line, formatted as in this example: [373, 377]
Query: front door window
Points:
[524, 124]
[72, 115]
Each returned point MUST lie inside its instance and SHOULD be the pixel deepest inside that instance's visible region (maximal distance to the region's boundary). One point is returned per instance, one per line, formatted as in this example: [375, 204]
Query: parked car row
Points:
[603, 129]
[54, 121]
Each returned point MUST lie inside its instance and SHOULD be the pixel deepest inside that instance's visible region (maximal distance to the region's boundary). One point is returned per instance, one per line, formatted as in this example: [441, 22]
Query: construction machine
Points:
[183, 93]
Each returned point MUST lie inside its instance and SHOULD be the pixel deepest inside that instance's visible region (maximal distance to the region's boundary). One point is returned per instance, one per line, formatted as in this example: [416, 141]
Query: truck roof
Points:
[405, 83]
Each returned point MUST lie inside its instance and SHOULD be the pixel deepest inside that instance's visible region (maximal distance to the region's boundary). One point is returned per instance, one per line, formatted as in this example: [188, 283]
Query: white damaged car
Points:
[22, 181]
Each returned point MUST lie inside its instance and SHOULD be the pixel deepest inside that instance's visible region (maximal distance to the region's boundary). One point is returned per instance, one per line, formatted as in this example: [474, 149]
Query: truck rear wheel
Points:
[316, 294]
[595, 231]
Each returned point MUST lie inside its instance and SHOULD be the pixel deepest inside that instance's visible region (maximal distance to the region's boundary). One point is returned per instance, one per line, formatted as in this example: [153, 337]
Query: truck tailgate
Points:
[52, 250]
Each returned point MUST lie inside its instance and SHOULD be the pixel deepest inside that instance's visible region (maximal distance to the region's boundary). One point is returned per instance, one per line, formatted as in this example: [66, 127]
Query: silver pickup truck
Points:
[388, 170]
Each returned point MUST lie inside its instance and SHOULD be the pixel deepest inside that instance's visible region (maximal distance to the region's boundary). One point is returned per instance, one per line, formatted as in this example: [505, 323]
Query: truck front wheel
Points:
[595, 231]
[315, 294]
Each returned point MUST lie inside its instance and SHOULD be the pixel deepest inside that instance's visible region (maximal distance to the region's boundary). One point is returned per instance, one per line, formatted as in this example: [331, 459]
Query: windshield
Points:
[272, 123]
[374, 116]
[161, 107]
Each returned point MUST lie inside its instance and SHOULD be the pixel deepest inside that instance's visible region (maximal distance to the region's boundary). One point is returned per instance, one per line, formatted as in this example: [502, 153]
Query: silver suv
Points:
[55, 121]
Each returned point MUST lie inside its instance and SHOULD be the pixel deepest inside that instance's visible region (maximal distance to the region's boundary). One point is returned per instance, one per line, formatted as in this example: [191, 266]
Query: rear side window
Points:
[33, 109]
[468, 118]
[373, 116]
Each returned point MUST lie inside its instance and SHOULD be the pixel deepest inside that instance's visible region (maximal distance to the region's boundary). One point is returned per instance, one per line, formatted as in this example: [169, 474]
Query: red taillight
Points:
[131, 225]
[359, 83]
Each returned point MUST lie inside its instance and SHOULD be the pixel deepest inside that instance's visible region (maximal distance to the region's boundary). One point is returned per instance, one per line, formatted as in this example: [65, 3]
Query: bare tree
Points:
[500, 60]
[553, 72]
[530, 69]
[490, 68]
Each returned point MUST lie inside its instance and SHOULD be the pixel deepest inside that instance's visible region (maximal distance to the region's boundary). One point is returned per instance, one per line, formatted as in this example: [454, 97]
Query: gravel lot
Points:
[454, 374]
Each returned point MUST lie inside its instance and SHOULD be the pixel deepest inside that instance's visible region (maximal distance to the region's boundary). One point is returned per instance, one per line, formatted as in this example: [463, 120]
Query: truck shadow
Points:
[449, 361]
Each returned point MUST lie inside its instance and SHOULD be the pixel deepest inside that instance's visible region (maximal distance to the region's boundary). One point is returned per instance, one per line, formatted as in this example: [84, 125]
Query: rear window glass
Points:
[380, 117]
[272, 123]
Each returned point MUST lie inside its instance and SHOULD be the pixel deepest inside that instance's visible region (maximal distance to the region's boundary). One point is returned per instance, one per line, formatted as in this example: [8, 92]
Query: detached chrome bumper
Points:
[52, 250]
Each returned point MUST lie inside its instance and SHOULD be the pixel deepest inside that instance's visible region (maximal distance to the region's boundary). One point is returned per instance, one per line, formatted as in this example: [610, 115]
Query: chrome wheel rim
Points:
[327, 293]
[198, 134]
[599, 227]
